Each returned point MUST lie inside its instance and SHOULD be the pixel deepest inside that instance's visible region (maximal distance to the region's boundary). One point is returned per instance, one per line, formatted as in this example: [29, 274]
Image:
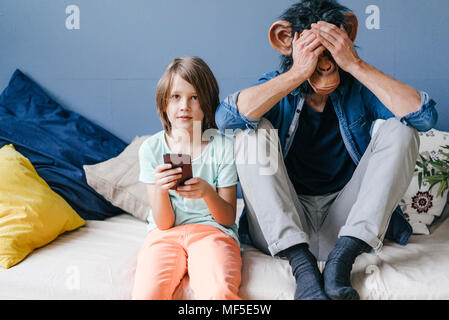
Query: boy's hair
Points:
[196, 72]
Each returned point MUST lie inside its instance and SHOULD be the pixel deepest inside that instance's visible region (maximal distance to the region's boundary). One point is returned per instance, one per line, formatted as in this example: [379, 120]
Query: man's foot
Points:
[337, 272]
[309, 282]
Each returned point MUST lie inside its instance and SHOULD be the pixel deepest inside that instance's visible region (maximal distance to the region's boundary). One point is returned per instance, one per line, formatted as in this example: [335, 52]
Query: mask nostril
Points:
[324, 68]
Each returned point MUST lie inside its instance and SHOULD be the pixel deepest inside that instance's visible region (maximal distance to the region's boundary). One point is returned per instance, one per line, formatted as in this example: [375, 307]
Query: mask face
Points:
[326, 77]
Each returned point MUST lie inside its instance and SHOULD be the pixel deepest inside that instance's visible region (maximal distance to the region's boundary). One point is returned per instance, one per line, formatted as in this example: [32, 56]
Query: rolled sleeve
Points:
[228, 118]
[425, 118]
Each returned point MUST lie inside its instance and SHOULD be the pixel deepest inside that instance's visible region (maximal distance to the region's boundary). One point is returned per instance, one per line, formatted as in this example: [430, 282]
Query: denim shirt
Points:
[356, 108]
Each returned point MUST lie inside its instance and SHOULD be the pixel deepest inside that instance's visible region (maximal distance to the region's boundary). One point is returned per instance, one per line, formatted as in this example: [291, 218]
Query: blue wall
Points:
[108, 69]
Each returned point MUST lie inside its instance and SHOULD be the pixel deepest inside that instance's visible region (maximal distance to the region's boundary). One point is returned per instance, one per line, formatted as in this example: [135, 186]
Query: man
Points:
[336, 192]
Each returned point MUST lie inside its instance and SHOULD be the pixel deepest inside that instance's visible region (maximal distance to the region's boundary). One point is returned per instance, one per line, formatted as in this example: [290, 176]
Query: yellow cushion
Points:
[31, 214]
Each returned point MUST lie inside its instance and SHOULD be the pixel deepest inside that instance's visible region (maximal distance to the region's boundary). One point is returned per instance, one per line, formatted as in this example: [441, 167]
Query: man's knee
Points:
[404, 138]
[265, 124]
[259, 147]
[263, 131]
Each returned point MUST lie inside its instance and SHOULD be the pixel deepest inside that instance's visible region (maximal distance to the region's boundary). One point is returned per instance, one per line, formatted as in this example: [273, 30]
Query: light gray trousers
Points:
[278, 218]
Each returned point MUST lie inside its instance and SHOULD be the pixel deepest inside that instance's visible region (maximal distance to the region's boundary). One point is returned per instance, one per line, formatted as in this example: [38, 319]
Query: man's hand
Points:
[254, 102]
[336, 40]
[195, 188]
[399, 98]
[305, 52]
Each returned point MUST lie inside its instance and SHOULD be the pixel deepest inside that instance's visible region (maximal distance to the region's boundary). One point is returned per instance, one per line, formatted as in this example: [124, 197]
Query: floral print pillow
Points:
[421, 206]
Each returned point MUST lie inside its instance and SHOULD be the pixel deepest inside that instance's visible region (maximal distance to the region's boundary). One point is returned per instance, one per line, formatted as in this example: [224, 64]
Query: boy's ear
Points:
[280, 37]
[352, 23]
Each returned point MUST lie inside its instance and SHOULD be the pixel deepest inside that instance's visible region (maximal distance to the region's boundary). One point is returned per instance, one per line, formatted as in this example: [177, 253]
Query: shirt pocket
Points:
[359, 122]
[360, 131]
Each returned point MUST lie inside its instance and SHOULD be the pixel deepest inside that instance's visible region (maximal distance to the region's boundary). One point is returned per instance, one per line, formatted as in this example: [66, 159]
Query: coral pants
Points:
[211, 258]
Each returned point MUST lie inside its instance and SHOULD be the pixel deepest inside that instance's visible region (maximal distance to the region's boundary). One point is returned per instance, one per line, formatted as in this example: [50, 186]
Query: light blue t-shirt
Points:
[215, 165]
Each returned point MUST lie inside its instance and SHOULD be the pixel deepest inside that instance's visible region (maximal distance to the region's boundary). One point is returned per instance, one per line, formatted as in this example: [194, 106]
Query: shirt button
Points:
[297, 111]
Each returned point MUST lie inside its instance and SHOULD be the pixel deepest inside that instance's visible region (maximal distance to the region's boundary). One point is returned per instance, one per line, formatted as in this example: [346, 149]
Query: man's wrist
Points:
[357, 67]
[294, 78]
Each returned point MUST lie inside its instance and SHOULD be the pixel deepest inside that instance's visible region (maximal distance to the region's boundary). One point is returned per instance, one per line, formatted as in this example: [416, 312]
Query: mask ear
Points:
[352, 23]
[280, 37]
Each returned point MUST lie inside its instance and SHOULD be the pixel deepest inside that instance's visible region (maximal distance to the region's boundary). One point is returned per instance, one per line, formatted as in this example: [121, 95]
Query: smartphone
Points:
[183, 161]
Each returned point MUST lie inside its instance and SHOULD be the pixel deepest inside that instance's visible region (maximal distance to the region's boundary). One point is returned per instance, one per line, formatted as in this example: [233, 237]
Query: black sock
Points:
[309, 282]
[337, 272]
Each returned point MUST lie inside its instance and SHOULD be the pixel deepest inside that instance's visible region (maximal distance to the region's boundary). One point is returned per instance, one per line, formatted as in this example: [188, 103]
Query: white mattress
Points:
[98, 261]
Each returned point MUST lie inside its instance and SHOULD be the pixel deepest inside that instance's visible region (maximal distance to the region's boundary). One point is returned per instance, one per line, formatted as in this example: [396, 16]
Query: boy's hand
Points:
[165, 177]
[195, 188]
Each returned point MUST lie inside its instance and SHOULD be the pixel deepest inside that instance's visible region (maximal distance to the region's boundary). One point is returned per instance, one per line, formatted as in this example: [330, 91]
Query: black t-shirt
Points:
[318, 162]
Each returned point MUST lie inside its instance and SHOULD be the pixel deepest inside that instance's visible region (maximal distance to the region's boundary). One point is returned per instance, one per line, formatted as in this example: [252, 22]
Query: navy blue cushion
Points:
[58, 142]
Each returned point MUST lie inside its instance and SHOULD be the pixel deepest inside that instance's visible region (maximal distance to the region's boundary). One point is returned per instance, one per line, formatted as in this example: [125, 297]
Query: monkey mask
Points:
[326, 77]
